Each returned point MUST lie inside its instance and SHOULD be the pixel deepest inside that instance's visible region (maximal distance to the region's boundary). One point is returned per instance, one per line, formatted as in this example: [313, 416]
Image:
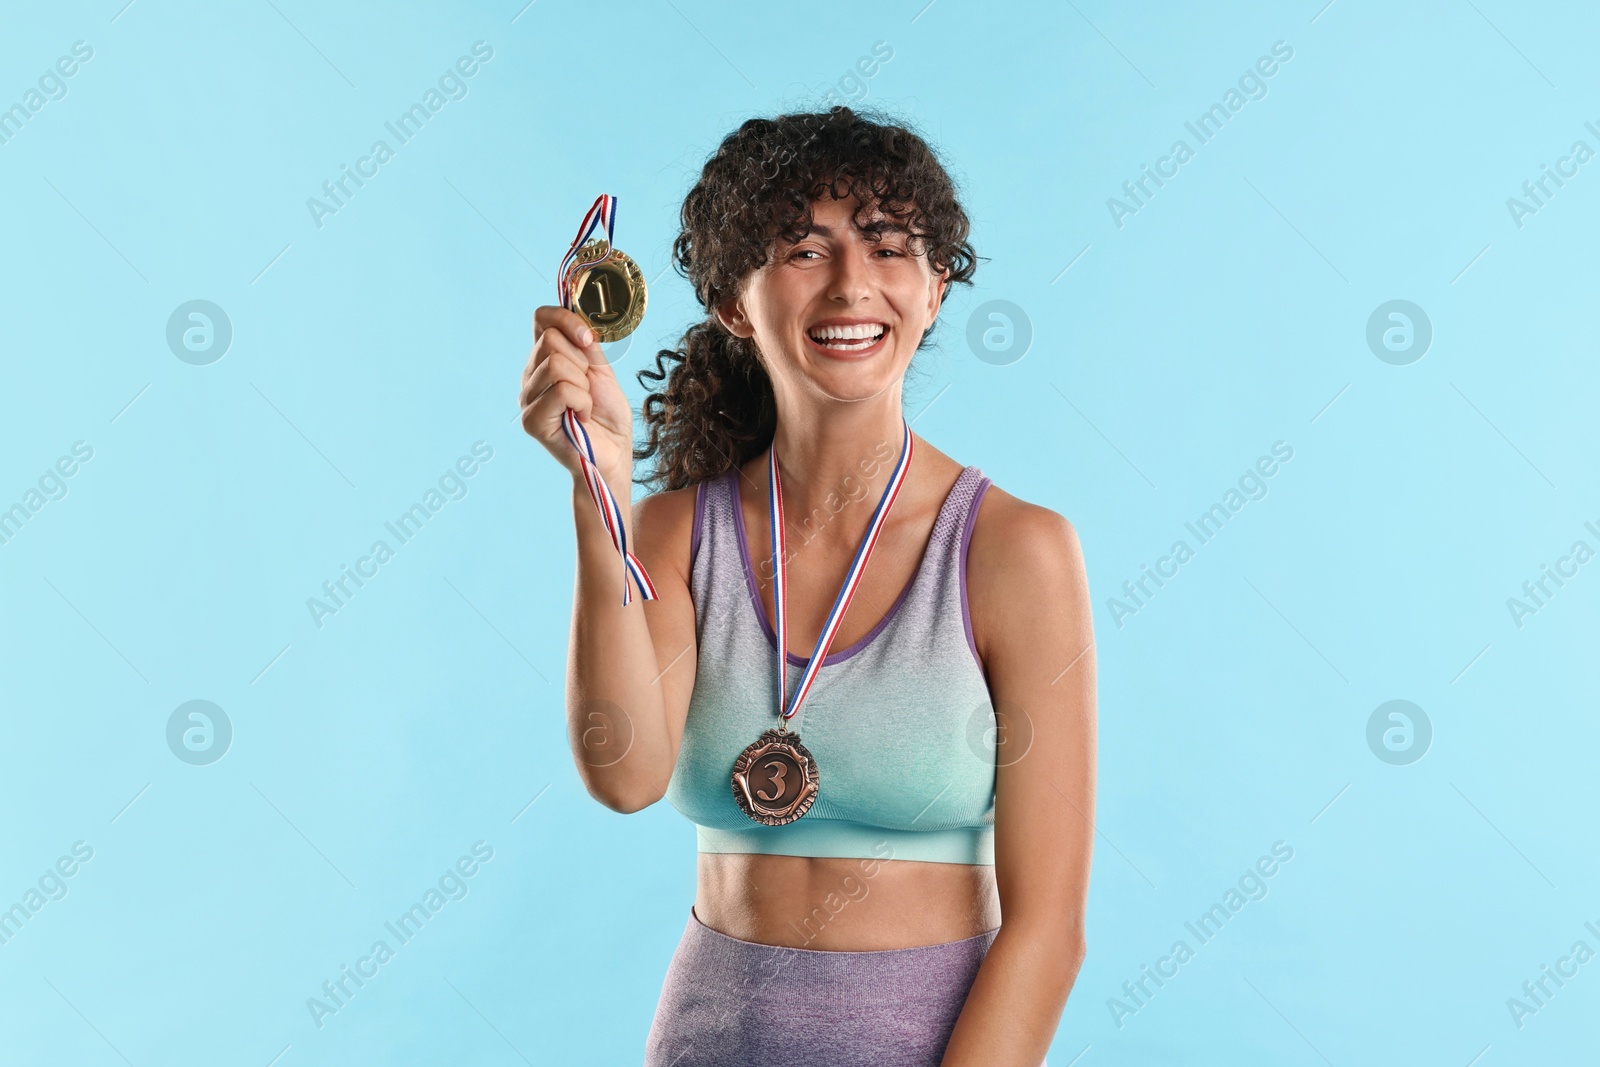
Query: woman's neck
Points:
[851, 445]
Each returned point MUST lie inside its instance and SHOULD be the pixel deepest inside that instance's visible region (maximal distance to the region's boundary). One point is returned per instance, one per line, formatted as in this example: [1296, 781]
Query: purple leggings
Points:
[733, 1003]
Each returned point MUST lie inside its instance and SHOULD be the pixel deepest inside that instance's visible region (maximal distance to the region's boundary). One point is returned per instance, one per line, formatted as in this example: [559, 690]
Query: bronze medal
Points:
[775, 778]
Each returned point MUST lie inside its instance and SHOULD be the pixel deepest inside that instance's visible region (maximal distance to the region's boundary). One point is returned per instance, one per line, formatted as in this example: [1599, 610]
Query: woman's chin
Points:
[849, 381]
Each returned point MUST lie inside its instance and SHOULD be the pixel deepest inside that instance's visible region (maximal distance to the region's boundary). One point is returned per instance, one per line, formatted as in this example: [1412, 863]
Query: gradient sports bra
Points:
[900, 723]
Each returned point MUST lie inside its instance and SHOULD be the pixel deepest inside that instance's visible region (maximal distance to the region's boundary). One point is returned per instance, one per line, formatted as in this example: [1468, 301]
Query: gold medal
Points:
[607, 290]
[775, 778]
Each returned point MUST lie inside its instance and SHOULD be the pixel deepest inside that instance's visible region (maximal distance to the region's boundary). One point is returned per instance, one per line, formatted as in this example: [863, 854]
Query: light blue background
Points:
[369, 354]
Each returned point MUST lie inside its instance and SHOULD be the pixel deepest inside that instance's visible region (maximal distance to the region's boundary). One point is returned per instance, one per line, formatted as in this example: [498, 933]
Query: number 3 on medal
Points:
[777, 781]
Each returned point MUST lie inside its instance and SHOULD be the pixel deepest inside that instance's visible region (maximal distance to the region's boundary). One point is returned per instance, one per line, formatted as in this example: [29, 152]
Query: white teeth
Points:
[867, 332]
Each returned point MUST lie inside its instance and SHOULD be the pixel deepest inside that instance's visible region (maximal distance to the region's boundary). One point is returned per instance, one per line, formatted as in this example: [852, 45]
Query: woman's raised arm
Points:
[630, 669]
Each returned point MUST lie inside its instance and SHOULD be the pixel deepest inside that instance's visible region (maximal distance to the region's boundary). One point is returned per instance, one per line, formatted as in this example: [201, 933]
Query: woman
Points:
[949, 742]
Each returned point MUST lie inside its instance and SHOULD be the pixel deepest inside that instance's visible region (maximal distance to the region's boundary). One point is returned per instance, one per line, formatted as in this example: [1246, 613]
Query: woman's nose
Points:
[850, 281]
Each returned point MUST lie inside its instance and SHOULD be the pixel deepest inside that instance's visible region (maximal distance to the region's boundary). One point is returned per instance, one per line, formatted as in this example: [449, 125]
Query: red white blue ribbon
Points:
[852, 579]
[604, 210]
[610, 513]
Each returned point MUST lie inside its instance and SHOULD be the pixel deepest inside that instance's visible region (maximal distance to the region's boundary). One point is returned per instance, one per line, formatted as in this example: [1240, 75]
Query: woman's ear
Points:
[731, 314]
[936, 294]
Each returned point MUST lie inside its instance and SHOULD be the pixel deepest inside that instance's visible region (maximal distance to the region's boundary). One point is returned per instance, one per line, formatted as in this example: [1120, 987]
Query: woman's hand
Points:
[568, 369]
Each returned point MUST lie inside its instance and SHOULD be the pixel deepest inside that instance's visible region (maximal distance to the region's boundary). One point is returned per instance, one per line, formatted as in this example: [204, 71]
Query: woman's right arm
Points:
[630, 670]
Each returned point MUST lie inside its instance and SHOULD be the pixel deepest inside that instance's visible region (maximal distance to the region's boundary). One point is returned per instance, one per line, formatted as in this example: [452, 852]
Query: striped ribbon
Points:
[603, 210]
[610, 513]
[858, 567]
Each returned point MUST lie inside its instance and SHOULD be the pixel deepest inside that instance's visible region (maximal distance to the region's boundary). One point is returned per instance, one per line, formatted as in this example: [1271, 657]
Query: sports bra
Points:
[900, 723]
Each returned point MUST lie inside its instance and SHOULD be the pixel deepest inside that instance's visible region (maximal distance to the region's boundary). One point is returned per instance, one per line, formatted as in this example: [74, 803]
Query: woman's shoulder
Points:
[663, 528]
[1024, 570]
[1018, 548]
[1007, 524]
[1004, 524]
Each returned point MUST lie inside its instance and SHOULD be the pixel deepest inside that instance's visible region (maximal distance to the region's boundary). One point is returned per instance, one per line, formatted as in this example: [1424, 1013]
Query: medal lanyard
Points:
[852, 580]
[604, 210]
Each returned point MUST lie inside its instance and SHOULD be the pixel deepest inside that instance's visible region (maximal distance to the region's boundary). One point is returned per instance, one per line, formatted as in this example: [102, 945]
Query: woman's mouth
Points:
[853, 339]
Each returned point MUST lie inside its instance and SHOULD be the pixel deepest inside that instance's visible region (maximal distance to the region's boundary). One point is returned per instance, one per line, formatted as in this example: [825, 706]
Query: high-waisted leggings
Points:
[733, 1003]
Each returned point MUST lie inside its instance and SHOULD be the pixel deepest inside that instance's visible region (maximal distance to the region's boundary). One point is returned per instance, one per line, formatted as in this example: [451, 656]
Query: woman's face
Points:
[836, 312]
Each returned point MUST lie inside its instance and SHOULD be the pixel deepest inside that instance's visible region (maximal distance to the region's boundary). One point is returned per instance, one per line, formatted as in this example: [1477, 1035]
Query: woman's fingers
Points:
[551, 403]
[553, 344]
[569, 369]
[557, 329]
[557, 366]
[554, 388]
[570, 323]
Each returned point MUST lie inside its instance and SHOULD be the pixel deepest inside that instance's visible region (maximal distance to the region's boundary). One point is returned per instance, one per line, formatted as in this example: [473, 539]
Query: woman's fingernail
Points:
[586, 337]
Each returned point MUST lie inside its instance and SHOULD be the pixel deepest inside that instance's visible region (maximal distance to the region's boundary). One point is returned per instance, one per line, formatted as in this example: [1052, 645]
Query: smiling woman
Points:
[851, 885]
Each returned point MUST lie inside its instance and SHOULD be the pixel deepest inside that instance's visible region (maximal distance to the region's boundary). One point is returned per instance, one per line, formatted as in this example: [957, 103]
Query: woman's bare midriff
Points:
[844, 905]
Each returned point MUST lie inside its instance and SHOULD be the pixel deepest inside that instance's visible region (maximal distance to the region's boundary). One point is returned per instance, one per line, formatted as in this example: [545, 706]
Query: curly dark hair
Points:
[717, 410]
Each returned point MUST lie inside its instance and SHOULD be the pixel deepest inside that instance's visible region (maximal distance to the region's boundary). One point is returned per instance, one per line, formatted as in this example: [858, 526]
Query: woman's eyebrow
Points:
[874, 226]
